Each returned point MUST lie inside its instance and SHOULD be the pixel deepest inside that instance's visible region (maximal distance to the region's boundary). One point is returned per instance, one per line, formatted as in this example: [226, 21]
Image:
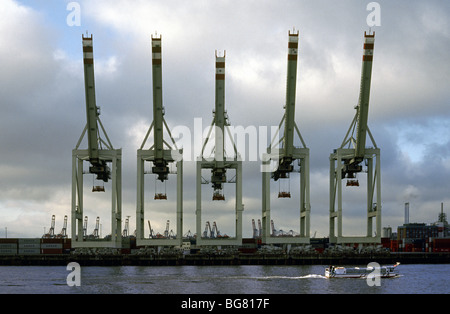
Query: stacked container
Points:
[8, 246]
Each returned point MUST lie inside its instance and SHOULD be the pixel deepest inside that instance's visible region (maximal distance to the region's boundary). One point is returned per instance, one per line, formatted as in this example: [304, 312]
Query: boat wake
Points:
[309, 276]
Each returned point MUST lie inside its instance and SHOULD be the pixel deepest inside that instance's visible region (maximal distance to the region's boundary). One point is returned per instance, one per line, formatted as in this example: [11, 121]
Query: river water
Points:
[413, 279]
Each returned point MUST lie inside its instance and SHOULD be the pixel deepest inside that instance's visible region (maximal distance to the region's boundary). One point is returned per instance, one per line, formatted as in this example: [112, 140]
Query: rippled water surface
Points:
[430, 279]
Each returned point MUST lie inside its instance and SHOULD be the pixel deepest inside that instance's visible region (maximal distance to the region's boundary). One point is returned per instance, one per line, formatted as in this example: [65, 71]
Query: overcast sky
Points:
[43, 105]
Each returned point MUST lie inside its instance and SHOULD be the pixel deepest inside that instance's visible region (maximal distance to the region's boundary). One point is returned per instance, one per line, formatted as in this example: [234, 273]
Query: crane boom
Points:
[160, 164]
[285, 164]
[359, 124]
[98, 166]
[291, 83]
[218, 173]
[364, 93]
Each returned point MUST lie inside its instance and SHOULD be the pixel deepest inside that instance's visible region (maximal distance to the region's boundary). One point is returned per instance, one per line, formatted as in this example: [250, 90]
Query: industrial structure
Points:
[105, 162]
[347, 161]
[160, 155]
[285, 158]
[219, 164]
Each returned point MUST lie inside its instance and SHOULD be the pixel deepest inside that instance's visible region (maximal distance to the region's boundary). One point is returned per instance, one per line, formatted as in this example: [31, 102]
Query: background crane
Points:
[346, 161]
[105, 162]
[51, 232]
[285, 156]
[63, 233]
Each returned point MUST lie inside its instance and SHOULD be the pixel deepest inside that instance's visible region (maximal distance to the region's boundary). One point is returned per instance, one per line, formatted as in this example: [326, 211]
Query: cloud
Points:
[43, 109]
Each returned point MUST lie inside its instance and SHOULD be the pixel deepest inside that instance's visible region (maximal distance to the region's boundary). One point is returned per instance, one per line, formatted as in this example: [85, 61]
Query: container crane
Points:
[105, 162]
[346, 161]
[151, 235]
[63, 233]
[207, 228]
[255, 231]
[51, 232]
[94, 234]
[161, 154]
[126, 228]
[259, 228]
[285, 156]
[85, 227]
[219, 164]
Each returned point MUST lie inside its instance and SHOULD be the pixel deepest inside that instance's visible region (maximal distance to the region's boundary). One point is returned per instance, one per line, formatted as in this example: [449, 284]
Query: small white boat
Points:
[361, 272]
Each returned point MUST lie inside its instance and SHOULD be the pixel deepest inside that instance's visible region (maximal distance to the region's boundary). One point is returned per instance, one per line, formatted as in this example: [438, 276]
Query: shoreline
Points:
[223, 260]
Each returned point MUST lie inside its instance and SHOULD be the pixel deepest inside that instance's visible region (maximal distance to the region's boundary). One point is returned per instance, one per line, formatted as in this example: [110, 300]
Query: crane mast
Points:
[98, 166]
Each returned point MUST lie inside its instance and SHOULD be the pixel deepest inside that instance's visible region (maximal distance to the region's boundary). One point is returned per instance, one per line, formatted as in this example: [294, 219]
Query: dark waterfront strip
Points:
[205, 260]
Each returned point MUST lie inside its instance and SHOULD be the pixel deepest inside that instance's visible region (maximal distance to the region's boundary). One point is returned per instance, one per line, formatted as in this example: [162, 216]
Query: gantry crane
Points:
[125, 232]
[285, 157]
[105, 162]
[161, 155]
[220, 163]
[51, 232]
[95, 234]
[346, 161]
[63, 233]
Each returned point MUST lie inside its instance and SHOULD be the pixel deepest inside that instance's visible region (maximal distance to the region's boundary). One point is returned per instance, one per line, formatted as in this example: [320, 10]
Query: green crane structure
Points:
[346, 162]
[161, 155]
[99, 153]
[220, 163]
[285, 156]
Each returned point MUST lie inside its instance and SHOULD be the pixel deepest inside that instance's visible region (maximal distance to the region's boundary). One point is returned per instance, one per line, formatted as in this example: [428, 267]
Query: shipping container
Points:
[67, 244]
[29, 251]
[441, 245]
[29, 241]
[8, 251]
[8, 246]
[45, 240]
[51, 246]
[51, 251]
[8, 240]
[29, 246]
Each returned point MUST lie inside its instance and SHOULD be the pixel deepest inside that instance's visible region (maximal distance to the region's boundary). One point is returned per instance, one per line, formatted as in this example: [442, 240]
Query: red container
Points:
[9, 240]
[44, 240]
[51, 251]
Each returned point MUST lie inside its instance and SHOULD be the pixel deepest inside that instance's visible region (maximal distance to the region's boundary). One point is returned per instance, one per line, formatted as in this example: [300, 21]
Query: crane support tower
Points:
[220, 163]
[347, 161]
[161, 155]
[285, 157]
[105, 162]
